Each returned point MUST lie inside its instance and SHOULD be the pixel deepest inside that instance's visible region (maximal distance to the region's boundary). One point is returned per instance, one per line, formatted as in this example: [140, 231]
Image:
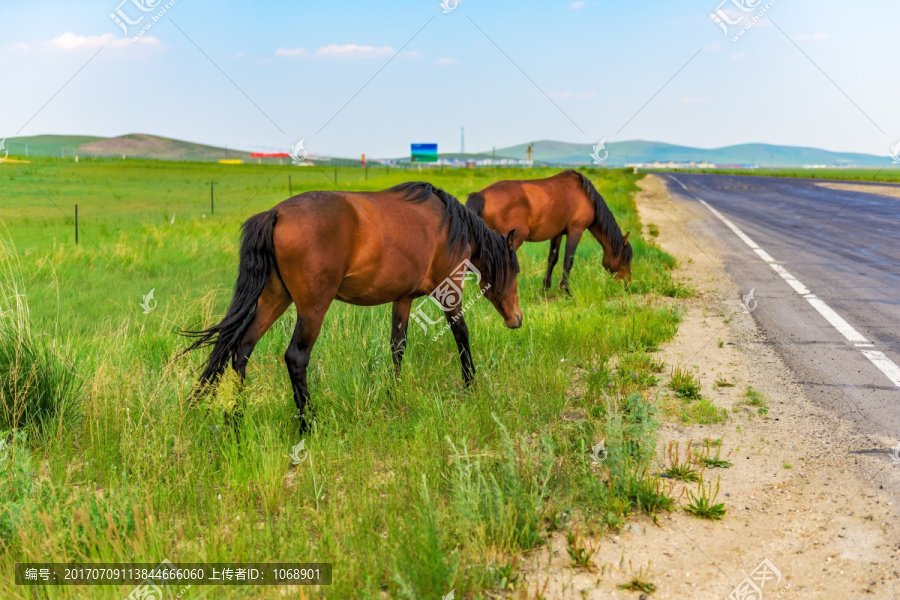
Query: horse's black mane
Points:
[465, 228]
[604, 218]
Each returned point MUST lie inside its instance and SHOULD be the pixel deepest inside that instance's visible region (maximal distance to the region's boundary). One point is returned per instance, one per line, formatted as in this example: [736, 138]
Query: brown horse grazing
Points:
[362, 248]
[547, 209]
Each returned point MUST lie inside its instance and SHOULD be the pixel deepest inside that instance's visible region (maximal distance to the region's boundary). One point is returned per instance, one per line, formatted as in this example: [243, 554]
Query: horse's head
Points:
[503, 292]
[618, 260]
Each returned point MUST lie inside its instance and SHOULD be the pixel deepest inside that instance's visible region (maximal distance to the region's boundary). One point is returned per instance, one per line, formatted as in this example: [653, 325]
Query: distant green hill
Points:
[764, 155]
[139, 145]
[135, 145]
[48, 145]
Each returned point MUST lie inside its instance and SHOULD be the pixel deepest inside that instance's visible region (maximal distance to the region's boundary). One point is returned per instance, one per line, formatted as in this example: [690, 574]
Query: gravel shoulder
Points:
[799, 493]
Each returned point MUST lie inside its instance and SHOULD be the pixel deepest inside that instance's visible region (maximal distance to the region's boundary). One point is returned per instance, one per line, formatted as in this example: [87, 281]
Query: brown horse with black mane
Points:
[548, 209]
[362, 248]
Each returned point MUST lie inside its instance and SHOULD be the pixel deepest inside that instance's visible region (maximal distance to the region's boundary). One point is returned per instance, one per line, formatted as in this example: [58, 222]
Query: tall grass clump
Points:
[36, 379]
[498, 502]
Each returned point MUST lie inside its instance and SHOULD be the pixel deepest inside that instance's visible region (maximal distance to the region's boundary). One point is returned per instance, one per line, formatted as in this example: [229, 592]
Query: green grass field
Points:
[409, 492]
[886, 175]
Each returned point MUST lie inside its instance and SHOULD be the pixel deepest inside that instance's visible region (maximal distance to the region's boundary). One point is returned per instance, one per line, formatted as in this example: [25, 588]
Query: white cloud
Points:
[739, 56]
[69, 42]
[561, 95]
[586, 95]
[447, 62]
[238, 56]
[578, 4]
[354, 51]
[809, 37]
[289, 52]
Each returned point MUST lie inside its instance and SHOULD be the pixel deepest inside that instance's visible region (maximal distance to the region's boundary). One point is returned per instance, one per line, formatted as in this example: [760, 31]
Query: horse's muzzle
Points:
[515, 322]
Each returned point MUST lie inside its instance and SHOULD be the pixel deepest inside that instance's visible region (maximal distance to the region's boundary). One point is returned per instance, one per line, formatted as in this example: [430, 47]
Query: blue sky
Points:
[263, 75]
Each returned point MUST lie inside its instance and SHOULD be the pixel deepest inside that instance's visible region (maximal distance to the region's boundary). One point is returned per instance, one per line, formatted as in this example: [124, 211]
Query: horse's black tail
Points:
[475, 203]
[257, 264]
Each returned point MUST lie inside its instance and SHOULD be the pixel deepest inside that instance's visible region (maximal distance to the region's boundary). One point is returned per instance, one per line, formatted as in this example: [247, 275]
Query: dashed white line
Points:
[882, 362]
[886, 365]
[837, 321]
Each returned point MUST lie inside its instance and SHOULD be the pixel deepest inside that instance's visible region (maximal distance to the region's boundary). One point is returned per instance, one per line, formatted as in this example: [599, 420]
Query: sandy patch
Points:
[825, 523]
[879, 190]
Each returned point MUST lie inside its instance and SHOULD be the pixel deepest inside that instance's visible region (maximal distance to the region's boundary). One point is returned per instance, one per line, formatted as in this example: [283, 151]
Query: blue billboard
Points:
[424, 153]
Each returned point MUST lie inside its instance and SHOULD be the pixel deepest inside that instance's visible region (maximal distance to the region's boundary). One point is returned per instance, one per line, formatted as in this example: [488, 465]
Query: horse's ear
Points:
[625, 239]
[511, 240]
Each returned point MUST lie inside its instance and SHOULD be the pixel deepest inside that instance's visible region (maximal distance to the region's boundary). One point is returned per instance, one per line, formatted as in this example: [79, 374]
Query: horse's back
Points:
[373, 246]
[540, 209]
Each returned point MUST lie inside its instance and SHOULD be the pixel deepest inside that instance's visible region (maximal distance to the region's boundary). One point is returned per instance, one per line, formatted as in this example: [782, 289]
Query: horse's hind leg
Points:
[552, 260]
[271, 305]
[399, 324]
[572, 240]
[296, 358]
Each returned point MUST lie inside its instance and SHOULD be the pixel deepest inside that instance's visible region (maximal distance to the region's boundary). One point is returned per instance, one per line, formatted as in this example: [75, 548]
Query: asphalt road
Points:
[816, 249]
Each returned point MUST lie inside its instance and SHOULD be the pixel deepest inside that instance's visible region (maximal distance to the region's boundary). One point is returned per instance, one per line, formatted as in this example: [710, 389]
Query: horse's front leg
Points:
[572, 240]
[461, 335]
[399, 323]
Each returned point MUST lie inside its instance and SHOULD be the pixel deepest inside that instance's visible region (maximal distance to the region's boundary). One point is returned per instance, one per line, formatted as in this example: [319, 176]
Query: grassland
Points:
[886, 175]
[409, 492]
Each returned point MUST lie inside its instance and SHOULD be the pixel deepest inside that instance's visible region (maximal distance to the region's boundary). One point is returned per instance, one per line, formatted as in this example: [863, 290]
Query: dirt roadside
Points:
[797, 495]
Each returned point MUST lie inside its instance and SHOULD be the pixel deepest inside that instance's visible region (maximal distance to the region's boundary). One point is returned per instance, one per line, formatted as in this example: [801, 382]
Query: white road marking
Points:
[837, 321]
[884, 364]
